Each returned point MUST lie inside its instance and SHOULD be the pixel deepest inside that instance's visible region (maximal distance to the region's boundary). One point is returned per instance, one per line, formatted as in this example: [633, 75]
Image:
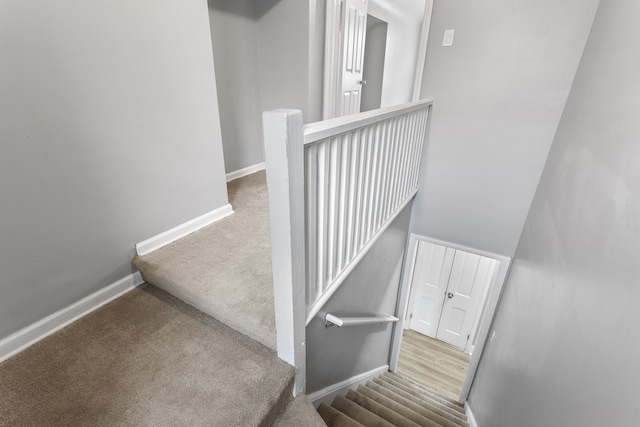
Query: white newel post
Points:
[284, 151]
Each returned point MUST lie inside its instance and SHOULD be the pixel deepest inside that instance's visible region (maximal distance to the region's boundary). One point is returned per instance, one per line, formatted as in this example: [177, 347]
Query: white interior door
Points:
[429, 283]
[471, 274]
[354, 34]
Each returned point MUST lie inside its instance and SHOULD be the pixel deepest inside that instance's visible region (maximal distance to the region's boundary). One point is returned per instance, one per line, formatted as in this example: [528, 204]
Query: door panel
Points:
[429, 282]
[355, 31]
[470, 274]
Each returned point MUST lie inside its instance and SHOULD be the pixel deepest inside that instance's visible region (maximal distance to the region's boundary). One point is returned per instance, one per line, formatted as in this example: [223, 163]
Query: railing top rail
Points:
[328, 128]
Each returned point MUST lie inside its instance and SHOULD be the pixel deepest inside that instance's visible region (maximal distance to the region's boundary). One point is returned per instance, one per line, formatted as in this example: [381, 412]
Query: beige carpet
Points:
[300, 413]
[145, 359]
[393, 400]
[225, 269]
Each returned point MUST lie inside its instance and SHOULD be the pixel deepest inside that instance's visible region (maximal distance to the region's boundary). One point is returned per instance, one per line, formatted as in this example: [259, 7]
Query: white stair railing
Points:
[360, 172]
[334, 187]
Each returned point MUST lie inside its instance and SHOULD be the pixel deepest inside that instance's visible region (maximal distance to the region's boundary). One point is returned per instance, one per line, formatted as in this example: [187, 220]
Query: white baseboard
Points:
[327, 394]
[470, 418]
[178, 232]
[245, 171]
[30, 335]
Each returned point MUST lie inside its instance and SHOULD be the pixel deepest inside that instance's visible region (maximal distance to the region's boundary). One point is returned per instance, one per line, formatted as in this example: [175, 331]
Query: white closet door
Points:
[430, 276]
[470, 275]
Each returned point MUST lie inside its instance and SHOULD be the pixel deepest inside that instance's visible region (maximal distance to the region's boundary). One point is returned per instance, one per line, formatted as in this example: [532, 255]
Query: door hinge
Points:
[468, 336]
[411, 316]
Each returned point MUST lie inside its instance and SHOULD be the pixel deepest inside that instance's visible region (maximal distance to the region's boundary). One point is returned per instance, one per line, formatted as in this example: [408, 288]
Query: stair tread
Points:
[358, 413]
[403, 407]
[300, 413]
[419, 385]
[334, 418]
[383, 411]
[420, 406]
[444, 402]
[433, 406]
[224, 269]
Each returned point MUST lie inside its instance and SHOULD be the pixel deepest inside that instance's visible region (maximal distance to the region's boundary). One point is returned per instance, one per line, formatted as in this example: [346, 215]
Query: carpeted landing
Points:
[225, 269]
[393, 400]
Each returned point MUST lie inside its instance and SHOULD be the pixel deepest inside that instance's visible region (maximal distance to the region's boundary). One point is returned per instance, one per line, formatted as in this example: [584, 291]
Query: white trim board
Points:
[422, 50]
[30, 335]
[159, 240]
[245, 171]
[471, 419]
[327, 394]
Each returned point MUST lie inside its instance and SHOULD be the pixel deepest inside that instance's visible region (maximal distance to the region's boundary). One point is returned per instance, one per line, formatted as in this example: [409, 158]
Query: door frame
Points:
[502, 269]
[333, 47]
[422, 49]
[333, 51]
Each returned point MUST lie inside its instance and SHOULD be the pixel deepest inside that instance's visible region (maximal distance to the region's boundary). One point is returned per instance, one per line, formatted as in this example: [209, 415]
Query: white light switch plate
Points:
[448, 38]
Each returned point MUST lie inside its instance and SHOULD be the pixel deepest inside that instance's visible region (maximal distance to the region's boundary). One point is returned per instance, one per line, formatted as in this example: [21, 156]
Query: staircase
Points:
[225, 271]
[393, 400]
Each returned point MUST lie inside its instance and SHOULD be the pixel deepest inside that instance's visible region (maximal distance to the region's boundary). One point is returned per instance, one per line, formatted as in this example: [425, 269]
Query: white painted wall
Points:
[234, 34]
[565, 351]
[404, 18]
[110, 134]
[499, 93]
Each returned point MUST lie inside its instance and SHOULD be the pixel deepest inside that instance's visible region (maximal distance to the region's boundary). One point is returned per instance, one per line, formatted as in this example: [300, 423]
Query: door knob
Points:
[362, 82]
[450, 295]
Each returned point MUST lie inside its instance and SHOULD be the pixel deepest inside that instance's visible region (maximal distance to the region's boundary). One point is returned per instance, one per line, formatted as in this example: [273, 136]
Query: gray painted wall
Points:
[110, 134]
[499, 93]
[335, 354]
[234, 34]
[566, 350]
[373, 68]
[283, 49]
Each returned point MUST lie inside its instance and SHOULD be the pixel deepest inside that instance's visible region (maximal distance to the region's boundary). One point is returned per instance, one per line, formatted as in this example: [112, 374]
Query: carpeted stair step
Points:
[441, 414]
[424, 392]
[387, 401]
[424, 388]
[358, 413]
[425, 409]
[145, 359]
[224, 269]
[334, 418]
[444, 403]
[407, 408]
[300, 413]
[382, 411]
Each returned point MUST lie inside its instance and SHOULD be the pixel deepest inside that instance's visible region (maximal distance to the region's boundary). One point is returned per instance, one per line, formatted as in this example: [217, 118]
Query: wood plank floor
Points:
[434, 363]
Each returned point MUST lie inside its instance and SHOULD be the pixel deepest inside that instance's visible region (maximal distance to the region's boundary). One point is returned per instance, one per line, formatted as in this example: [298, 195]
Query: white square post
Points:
[284, 159]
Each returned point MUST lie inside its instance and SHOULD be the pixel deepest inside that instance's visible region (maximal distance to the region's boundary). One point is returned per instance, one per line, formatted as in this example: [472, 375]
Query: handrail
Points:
[327, 128]
[331, 319]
